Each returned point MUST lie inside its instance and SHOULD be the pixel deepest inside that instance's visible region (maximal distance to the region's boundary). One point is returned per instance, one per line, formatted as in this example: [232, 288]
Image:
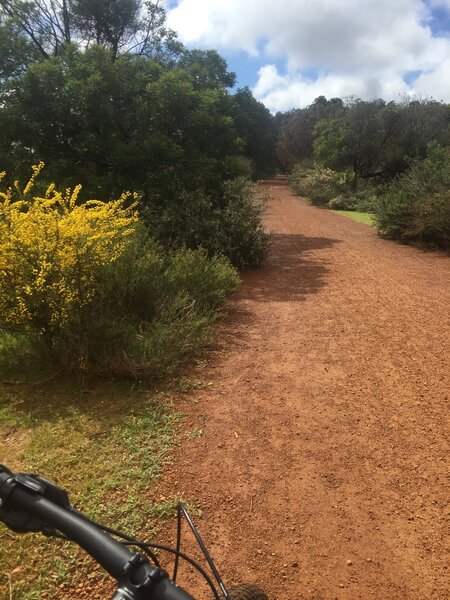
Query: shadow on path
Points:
[291, 272]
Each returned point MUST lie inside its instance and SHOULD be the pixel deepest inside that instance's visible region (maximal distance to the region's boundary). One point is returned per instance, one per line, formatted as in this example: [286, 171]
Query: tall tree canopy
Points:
[372, 138]
[103, 92]
[258, 130]
[119, 25]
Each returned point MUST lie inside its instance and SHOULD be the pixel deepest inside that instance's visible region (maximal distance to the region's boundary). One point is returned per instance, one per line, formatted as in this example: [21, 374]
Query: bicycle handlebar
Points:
[24, 507]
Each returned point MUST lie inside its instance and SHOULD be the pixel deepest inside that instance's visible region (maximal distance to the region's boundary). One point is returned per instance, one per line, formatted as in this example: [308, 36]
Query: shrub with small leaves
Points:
[50, 250]
[230, 224]
[364, 201]
[319, 185]
[416, 207]
[86, 287]
[343, 203]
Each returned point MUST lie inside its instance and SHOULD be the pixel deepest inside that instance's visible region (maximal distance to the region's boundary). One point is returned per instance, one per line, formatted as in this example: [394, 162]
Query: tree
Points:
[364, 138]
[416, 205]
[16, 52]
[46, 23]
[330, 142]
[118, 25]
[376, 139]
[123, 124]
[109, 23]
[115, 105]
[296, 137]
[256, 126]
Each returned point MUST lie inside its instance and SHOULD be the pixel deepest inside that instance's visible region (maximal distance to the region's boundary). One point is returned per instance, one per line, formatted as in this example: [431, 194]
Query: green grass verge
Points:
[360, 217]
[106, 446]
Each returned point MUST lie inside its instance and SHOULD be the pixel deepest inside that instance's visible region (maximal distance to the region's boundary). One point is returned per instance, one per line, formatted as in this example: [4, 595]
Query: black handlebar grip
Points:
[109, 553]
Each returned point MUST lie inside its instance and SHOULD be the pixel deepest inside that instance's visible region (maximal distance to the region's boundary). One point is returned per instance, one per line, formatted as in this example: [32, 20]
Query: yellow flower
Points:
[51, 250]
[36, 170]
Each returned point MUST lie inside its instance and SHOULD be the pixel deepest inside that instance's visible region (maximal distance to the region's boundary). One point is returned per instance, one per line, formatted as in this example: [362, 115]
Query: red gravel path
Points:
[321, 471]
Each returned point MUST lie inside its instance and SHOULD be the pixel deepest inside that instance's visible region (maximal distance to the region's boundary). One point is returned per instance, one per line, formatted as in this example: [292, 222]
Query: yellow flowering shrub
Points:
[89, 290]
[51, 248]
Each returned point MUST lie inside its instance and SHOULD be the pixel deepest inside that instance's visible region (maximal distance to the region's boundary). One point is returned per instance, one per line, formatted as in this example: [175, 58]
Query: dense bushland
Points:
[319, 184]
[134, 111]
[383, 158]
[416, 206]
[85, 287]
[233, 228]
[110, 100]
[332, 189]
[369, 139]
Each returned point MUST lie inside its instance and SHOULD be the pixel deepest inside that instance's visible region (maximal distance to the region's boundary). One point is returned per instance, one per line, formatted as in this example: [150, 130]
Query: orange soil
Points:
[321, 471]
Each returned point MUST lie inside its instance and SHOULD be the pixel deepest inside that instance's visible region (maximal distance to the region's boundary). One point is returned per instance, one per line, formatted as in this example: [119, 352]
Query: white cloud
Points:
[357, 47]
[435, 83]
[281, 93]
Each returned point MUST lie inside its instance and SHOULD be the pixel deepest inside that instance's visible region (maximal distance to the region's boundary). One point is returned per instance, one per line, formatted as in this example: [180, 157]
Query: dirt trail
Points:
[321, 470]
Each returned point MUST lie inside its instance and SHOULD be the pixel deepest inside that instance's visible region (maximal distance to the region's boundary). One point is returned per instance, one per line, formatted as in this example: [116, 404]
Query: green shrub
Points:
[206, 281]
[343, 203]
[297, 178]
[85, 288]
[363, 201]
[319, 185]
[188, 219]
[230, 225]
[416, 207]
[238, 166]
[243, 239]
[431, 221]
[152, 309]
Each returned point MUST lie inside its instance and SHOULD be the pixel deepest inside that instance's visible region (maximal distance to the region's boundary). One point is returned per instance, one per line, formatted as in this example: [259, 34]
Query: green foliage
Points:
[319, 185]
[15, 50]
[88, 289]
[112, 26]
[329, 141]
[373, 139]
[367, 200]
[230, 225]
[118, 25]
[154, 308]
[133, 111]
[243, 238]
[207, 69]
[238, 166]
[343, 203]
[416, 207]
[130, 124]
[362, 201]
[295, 142]
[125, 124]
[256, 126]
[206, 281]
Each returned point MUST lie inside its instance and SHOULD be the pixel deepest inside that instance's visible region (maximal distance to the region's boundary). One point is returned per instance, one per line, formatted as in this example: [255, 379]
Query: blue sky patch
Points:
[410, 76]
[439, 22]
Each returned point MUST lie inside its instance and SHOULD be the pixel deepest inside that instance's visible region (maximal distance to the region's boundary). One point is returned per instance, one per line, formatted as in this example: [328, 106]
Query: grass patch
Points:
[359, 217]
[106, 447]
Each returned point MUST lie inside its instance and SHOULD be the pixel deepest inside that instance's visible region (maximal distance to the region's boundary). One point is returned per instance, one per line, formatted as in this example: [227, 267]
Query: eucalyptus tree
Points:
[135, 26]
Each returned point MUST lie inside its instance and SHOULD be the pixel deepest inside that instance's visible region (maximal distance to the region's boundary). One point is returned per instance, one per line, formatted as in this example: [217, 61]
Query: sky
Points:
[291, 51]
